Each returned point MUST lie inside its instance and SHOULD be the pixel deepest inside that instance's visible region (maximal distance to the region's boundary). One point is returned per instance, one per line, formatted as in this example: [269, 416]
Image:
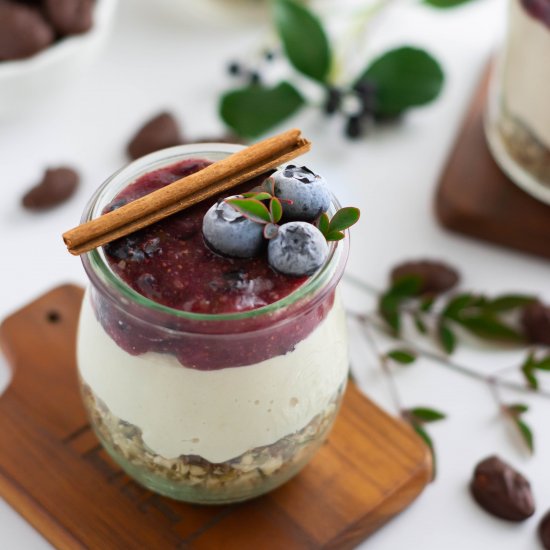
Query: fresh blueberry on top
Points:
[229, 233]
[308, 192]
[298, 249]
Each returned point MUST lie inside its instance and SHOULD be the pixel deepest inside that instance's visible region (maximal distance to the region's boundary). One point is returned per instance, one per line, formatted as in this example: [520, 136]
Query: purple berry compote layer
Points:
[170, 264]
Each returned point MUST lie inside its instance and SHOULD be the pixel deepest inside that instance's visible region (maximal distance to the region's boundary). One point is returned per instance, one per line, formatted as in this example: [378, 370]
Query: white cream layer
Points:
[526, 75]
[215, 414]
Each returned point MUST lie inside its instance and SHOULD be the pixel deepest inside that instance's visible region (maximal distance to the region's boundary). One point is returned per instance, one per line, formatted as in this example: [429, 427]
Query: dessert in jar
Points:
[213, 360]
[518, 122]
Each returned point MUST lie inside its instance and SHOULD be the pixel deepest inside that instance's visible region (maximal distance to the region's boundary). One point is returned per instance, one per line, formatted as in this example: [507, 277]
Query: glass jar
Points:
[209, 408]
[518, 115]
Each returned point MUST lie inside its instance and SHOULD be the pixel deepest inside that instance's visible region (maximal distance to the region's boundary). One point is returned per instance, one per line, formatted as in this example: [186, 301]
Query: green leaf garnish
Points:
[251, 208]
[424, 414]
[344, 218]
[334, 236]
[258, 195]
[323, 223]
[276, 209]
[253, 110]
[445, 3]
[304, 39]
[404, 77]
[403, 356]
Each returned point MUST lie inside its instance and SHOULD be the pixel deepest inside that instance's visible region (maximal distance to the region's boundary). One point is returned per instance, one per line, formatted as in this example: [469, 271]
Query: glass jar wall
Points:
[518, 116]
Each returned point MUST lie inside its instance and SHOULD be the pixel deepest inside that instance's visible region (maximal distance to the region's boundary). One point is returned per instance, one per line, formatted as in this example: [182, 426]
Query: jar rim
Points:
[97, 267]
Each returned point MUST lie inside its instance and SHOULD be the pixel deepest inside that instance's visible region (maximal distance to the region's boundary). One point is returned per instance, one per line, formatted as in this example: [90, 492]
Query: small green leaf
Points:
[445, 3]
[428, 440]
[427, 303]
[403, 356]
[517, 408]
[404, 77]
[304, 39]
[490, 328]
[334, 236]
[544, 363]
[458, 303]
[276, 210]
[253, 110]
[527, 370]
[390, 302]
[407, 286]
[508, 302]
[419, 324]
[447, 338]
[424, 414]
[323, 224]
[388, 307]
[344, 218]
[258, 195]
[526, 434]
[251, 208]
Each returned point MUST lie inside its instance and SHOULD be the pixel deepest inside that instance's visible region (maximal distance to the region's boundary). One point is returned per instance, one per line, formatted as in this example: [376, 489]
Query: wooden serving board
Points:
[55, 473]
[477, 199]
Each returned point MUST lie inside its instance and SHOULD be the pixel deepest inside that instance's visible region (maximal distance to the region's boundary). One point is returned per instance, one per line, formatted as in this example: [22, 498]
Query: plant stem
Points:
[465, 370]
[383, 362]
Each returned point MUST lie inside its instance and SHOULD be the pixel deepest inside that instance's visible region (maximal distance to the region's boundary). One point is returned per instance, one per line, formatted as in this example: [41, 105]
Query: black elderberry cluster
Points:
[358, 105]
[250, 75]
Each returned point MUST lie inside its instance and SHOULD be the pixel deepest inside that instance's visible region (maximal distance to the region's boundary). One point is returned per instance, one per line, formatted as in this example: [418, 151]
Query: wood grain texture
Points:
[55, 473]
[477, 199]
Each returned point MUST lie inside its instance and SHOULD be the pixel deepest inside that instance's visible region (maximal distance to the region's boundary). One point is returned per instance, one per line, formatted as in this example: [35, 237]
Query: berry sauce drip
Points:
[539, 9]
[169, 263]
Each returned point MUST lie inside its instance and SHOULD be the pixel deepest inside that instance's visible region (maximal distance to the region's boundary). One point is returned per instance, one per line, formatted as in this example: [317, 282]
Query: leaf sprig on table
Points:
[389, 85]
[425, 292]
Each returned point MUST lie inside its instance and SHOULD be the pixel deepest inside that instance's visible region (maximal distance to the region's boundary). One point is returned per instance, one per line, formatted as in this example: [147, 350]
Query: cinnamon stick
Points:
[216, 178]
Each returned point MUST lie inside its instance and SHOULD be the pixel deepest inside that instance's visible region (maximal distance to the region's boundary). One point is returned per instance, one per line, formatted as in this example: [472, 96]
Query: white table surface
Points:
[153, 62]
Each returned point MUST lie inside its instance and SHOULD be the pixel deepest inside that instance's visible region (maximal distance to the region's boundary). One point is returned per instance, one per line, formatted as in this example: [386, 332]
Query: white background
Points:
[152, 62]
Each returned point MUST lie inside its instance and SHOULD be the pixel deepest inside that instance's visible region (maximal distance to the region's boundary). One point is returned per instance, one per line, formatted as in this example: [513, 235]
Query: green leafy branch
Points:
[476, 314]
[388, 86]
[437, 314]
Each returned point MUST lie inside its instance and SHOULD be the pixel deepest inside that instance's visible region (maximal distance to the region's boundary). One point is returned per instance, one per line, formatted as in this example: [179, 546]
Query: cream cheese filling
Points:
[219, 414]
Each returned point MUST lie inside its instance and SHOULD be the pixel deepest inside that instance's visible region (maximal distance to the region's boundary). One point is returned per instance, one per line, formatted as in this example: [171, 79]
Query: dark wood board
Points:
[55, 473]
[477, 199]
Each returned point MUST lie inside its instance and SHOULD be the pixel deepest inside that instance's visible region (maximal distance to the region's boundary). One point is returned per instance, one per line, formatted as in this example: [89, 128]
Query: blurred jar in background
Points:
[518, 121]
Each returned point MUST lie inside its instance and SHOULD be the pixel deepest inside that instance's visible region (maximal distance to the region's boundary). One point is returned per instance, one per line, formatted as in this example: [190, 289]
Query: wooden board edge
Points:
[36, 515]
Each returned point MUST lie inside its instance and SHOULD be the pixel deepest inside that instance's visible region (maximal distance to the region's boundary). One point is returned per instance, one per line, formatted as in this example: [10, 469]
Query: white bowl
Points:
[26, 82]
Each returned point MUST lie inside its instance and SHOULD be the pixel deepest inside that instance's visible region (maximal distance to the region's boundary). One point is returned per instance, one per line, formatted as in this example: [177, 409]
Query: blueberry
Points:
[298, 249]
[229, 233]
[308, 192]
